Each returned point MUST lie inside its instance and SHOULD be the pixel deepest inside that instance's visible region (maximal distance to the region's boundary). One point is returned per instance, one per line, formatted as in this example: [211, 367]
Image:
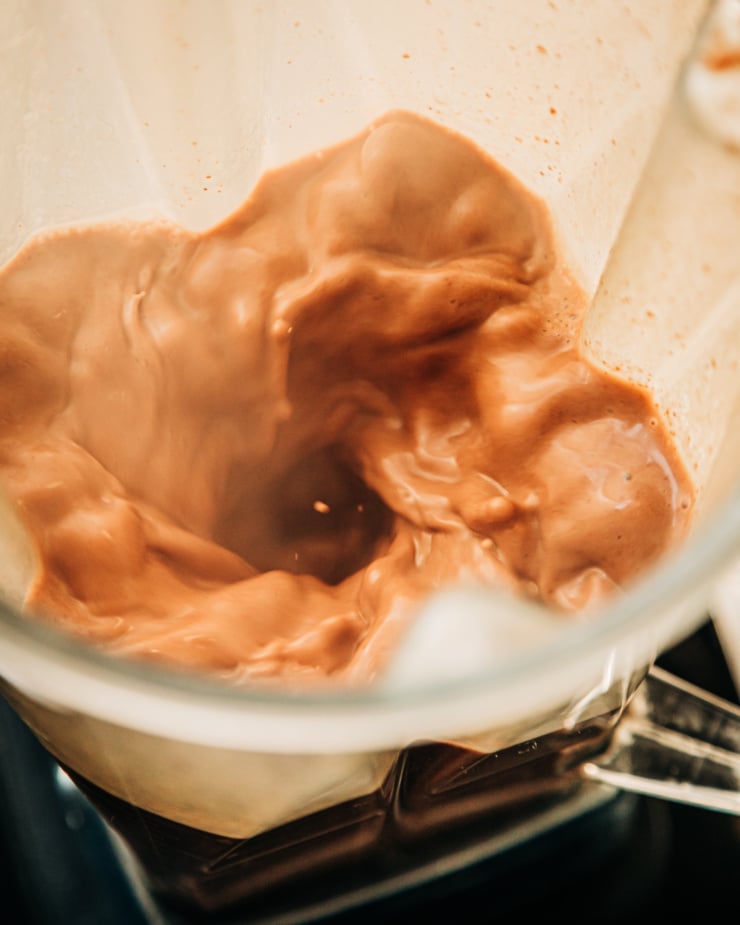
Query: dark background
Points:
[670, 862]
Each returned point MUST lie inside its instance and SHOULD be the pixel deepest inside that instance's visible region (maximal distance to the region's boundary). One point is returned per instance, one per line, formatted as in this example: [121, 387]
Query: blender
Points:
[223, 796]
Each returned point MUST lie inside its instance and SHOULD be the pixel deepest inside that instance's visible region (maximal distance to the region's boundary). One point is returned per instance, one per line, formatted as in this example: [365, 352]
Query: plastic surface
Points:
[676, 742]
[175, 109]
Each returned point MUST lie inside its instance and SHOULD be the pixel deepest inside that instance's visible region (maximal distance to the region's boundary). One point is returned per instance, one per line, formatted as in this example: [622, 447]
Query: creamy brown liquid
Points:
[255, 450]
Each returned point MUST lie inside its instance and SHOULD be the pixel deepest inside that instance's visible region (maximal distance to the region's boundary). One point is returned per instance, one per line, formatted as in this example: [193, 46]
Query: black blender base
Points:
[594, 854]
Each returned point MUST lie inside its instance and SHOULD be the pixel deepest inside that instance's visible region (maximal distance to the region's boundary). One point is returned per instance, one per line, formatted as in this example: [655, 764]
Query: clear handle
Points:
[677, 742]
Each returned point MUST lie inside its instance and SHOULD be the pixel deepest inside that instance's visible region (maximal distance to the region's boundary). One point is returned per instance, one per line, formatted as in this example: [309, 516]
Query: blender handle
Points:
[676, 742]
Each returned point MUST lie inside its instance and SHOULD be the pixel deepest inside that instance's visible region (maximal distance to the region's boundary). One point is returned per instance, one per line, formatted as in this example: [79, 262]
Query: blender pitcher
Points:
[174, 110]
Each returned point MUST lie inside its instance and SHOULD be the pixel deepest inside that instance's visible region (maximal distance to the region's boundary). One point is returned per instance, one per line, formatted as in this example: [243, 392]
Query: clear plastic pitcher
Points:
[175, 109]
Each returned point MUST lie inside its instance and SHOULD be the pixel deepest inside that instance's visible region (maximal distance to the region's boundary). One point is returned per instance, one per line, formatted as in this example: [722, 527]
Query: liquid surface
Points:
[254, 451]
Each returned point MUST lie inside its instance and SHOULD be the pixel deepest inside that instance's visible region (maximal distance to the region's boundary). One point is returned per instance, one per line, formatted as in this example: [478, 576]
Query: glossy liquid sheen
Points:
[254, 451]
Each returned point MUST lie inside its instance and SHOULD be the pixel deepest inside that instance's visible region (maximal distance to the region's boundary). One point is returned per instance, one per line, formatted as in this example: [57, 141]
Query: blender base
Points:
[592, 852]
